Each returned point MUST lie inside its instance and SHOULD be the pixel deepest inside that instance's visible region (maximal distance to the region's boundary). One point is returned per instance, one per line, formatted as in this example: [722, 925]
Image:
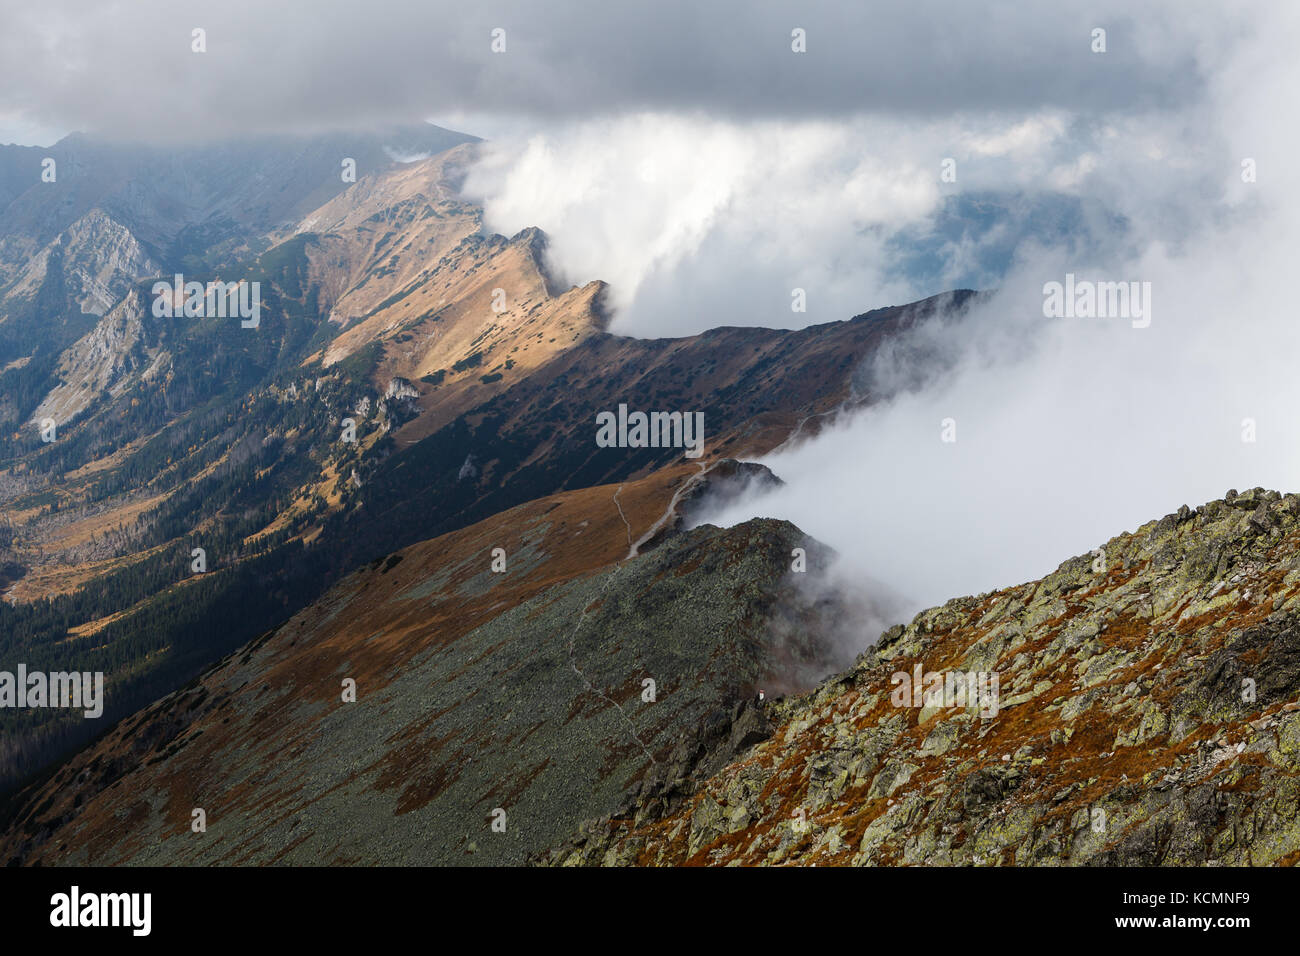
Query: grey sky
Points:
[128, 69]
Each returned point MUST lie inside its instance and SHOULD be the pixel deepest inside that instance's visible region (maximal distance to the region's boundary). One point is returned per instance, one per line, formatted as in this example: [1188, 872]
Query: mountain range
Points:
[365, 588]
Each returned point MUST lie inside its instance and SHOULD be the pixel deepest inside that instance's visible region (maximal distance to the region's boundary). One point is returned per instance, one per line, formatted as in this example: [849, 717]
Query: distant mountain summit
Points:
[174, 198]
[84, 220]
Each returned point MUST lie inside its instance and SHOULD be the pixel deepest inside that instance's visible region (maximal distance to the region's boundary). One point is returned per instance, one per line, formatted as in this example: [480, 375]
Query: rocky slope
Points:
[100, 363]
[1148, 713]
[114, 214]
[547, 689]
[99, 259]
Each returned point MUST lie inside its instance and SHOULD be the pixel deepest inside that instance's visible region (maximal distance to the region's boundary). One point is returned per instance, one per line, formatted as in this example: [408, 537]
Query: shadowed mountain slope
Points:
[523, 690]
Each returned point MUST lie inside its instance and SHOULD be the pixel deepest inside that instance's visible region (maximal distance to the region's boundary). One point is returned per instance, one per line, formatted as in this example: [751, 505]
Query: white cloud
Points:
[699, 222]
[1073, 430]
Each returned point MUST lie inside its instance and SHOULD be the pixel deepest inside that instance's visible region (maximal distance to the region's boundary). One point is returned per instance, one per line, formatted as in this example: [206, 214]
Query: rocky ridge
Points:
[547, 689]
[1148, 714]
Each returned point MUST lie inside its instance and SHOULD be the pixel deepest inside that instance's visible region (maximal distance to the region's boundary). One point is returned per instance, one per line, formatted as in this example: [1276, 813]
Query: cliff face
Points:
[1147, 713]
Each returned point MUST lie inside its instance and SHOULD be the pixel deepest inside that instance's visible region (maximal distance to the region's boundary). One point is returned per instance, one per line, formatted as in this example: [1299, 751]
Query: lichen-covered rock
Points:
[1147, 713]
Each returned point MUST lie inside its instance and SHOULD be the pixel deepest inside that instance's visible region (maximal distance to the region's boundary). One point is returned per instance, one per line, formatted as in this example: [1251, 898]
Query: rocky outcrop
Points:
[1147, 712]
[100, 362]
[399, 388]
[726, 482]
[99, 259]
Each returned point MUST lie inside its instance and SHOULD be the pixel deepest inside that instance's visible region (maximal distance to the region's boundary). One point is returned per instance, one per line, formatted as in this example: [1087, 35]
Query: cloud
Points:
[698, 222]
[707, 217]
[302, 65]
[1070, 431]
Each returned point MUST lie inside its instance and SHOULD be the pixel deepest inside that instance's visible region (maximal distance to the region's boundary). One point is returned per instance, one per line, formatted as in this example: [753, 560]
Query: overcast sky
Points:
[129, 69]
